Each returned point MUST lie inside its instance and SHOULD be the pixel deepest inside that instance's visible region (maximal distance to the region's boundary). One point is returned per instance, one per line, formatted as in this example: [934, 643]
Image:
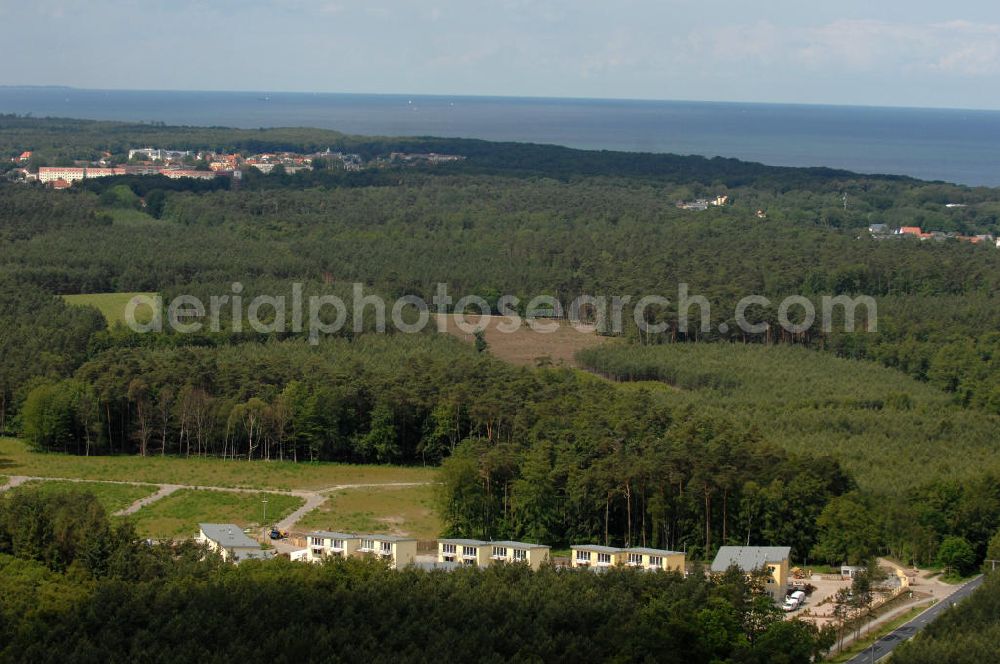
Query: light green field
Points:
[178, 515]
[126, 217]
[111, 305]
[113, 497]
[17, 459]
[398, 510]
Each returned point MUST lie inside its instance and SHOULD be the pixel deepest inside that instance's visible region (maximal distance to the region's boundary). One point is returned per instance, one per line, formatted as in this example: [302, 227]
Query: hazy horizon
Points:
[56, 86]
[854, 53]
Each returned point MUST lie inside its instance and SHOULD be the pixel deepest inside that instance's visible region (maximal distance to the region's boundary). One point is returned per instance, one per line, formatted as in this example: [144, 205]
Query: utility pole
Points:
[264, 520]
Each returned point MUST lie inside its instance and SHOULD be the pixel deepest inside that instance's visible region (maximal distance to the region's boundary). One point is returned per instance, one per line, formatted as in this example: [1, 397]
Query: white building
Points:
[74, 173]
[156, 154]
[231, 542]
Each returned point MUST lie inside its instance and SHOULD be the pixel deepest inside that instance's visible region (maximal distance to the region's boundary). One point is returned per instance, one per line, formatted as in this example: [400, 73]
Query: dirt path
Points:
[164, 491]
[13, 481]
[312, 499]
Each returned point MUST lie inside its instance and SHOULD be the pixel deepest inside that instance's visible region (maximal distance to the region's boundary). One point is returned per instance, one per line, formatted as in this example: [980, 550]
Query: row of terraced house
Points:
[400, 552]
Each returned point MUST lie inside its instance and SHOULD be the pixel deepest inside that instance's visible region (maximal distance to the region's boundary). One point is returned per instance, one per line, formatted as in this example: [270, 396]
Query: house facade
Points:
[484, 554]
[772, 560]
[535, 555]
[322, 544]
[655, 559]
[464, 552]
[597, 556]
[398, 551]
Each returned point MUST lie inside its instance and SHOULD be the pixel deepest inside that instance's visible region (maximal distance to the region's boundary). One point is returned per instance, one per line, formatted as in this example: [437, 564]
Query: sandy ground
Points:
[923, 591]
[552, 341]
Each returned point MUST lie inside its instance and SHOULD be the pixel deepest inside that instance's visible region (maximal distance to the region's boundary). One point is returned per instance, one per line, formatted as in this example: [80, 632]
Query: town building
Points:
[323, 544]
[177, 174]
[399, 551]
[154, 154]
[231, 542]
[74, 173]
[773, 560]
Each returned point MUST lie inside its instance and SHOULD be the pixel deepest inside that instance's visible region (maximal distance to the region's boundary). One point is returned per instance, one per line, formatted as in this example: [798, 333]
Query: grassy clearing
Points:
[113, 497]
[17, 459]
[178, 515]
[111, 305]
[398, 510]
[947, 576]
[126, 217]
[527, 347]
[889, 430]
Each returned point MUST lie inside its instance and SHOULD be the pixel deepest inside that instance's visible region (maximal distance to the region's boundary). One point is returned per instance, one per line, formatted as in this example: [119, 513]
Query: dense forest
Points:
[965, 634]
[100, 593]
[730, 445]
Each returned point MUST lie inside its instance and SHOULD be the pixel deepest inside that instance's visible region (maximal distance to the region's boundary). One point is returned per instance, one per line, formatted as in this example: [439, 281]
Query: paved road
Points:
[885, 645]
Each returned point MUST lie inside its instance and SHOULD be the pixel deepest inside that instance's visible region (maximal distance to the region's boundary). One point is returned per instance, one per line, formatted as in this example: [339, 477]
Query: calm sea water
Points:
[952, 145]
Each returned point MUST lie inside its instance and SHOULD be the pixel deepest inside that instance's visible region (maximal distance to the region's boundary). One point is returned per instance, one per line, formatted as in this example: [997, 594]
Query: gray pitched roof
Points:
[227, 535]
[749, 558]
[652, 552]
[386, 538]
[520, 545]
[598, 548]
[463, 542]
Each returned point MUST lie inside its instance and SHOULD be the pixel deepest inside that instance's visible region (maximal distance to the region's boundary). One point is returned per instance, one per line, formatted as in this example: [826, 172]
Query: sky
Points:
[871, 52]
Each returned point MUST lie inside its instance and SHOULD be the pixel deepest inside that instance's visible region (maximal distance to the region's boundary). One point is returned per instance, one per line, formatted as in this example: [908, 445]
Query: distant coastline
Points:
[961, 146]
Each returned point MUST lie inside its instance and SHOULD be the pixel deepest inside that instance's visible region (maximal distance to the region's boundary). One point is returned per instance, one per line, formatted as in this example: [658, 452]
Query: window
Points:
[635, 559]
[520, 554]
[317, 541]
[317, 552]
[604, 559]
[338, 544]
[447, 548]
[583, 556]
[656, 561]
[386, 548]
[367, 545]
[499, 552]
[468, 552]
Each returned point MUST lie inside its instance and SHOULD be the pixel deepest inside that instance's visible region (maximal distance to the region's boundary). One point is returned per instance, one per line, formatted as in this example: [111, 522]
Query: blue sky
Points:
[878, 52]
